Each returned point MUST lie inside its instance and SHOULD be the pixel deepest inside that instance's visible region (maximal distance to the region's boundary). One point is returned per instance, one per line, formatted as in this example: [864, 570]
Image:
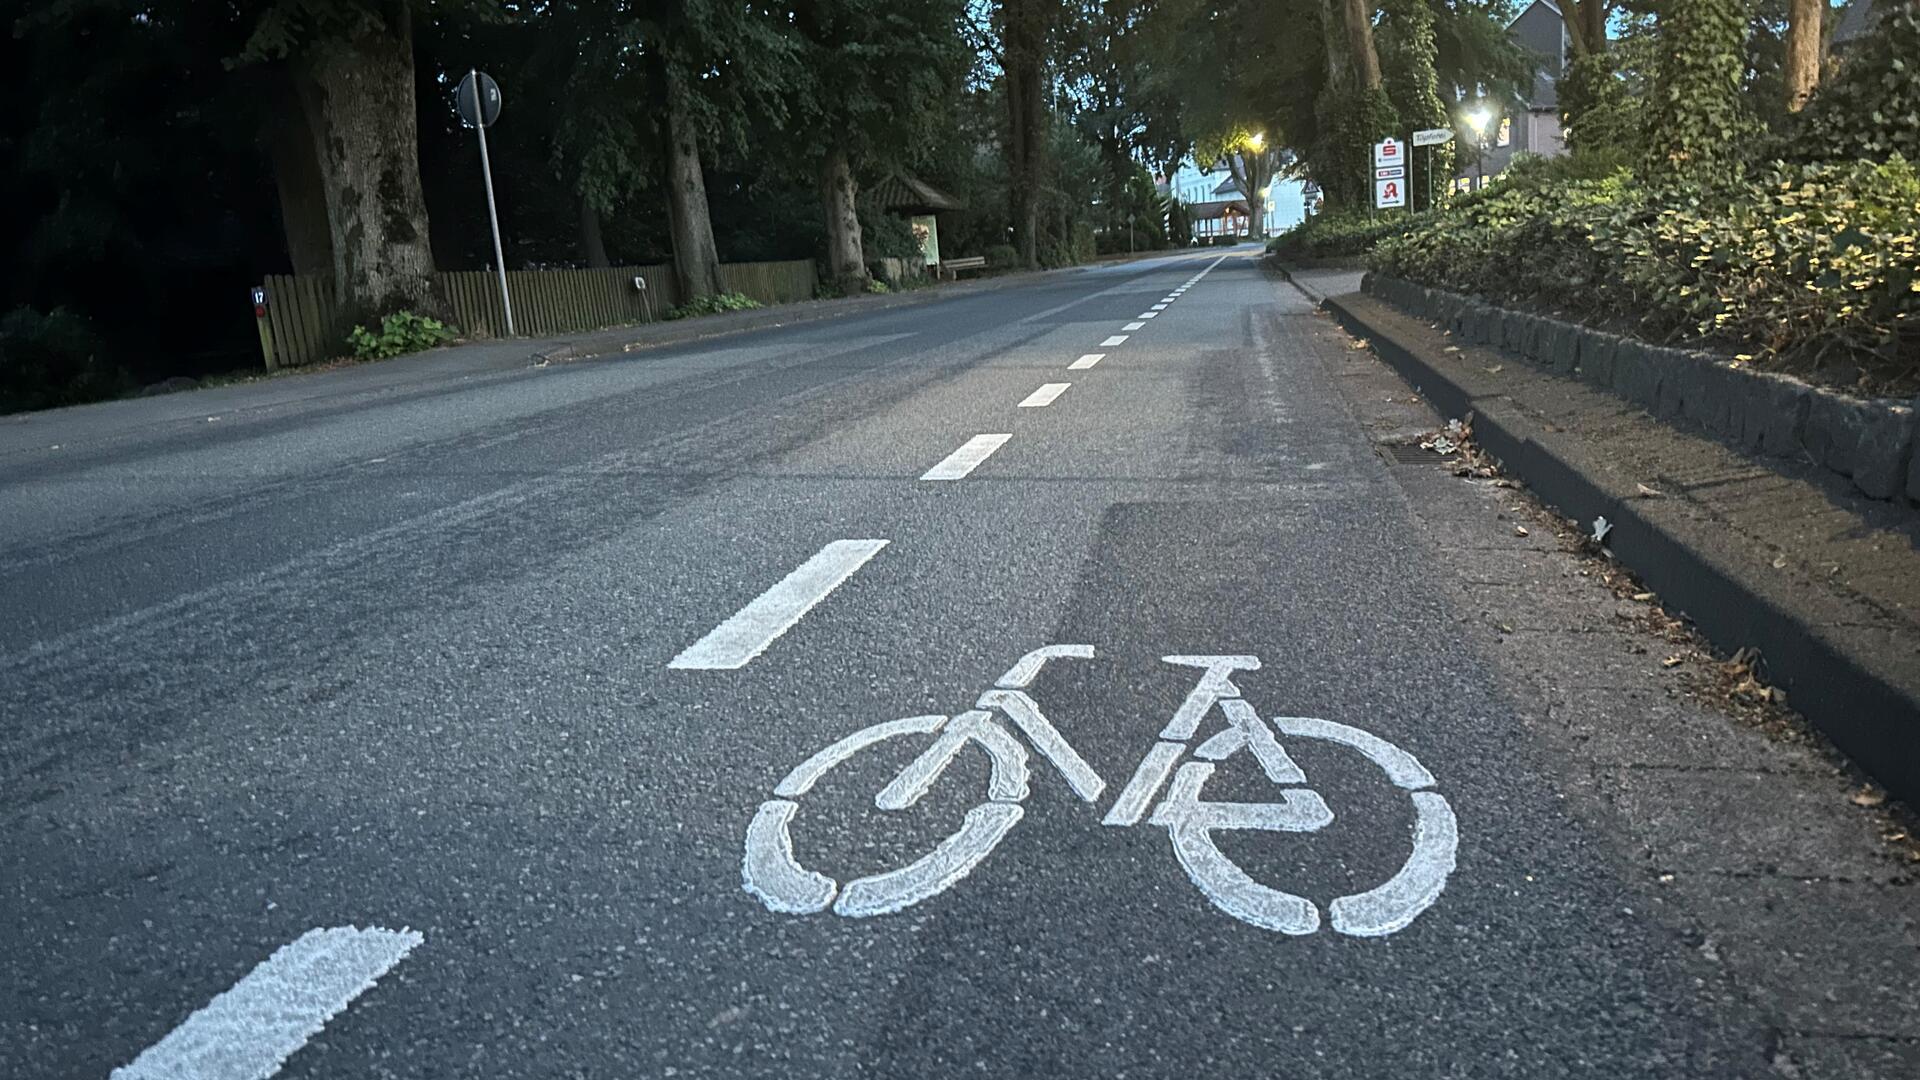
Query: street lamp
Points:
[1480, 120]
[1257, 140]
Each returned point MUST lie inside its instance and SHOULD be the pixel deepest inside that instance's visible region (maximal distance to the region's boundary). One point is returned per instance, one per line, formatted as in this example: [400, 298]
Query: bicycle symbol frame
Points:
[770, 872]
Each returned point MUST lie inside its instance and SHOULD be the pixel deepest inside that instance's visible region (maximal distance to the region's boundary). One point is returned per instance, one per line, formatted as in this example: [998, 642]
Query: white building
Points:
[1217, 207]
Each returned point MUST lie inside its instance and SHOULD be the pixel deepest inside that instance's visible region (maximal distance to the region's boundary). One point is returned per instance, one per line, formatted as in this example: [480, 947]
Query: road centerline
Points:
[1086, 361]
[1117, 339]
[753, 628]
[1044, 396]
[248, 1031]
[968, 458]
[1133, 326]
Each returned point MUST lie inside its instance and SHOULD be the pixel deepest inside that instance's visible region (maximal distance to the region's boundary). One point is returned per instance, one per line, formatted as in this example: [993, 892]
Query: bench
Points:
[950, 268]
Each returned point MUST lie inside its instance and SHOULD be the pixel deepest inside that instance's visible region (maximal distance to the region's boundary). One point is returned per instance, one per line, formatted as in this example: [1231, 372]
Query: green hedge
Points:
[1809, 266]
[1334, 234]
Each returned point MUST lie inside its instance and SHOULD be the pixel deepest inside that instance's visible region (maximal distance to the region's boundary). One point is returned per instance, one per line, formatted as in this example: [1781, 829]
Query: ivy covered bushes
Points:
[1336, 233]
[1814, 267]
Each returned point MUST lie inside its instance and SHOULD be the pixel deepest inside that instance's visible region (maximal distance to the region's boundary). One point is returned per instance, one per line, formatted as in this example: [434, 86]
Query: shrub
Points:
[1801, 265]
[712, 304]
[1003, 256]
[875, 285]
[1872, 108]
[53, 358]
[400, 333]
[1349, 232]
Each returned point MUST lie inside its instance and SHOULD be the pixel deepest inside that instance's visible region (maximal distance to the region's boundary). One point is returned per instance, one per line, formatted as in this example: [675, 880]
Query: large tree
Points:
[710, 66]
[1697, 118]
[876, 75]
[1025, 31]
[351, 63]
[1412, 56]
[1806, 50]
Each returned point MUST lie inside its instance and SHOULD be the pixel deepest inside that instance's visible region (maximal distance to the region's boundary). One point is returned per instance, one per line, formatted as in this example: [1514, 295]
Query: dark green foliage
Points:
[1337, 233]
[1871, 109]
[1002, 256]
[1408, 54]
[53, 358]
[1696, 117]
[712, 305]
[1179, 223]
[400, 333]
[887, 236]
[1800, 265]
[1350, 123]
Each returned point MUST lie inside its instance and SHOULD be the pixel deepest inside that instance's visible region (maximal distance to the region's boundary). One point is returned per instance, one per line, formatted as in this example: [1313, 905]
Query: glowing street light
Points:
[1257, 140]
[1479, 120]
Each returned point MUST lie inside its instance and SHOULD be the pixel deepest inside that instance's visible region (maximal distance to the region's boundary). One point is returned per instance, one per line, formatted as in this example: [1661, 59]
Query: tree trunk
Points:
[1366, 60]
[696, 262]
[1804, 48]
[296, 174]
[1330, 42]
[358, 96]
[1025, 34]
[846, 260]
[593, 245]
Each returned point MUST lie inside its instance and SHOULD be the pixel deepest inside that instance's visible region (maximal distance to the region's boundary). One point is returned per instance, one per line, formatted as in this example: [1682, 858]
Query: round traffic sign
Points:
[479, 106]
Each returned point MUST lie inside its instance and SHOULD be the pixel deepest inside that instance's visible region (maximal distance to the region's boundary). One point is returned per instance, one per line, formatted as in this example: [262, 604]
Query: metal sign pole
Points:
[493, 215]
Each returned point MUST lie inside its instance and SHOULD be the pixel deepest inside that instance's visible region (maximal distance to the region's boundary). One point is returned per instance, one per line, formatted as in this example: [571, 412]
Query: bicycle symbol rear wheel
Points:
[770, 871]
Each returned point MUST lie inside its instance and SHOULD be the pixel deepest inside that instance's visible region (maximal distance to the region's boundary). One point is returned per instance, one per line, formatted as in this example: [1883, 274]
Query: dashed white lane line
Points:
[1117, 339]
[1133, 326]
[1161, 306]
[1150, 314]
[1044, 396]
[967, 458]
[754, 627]
[1086, 361]
[249, 1031]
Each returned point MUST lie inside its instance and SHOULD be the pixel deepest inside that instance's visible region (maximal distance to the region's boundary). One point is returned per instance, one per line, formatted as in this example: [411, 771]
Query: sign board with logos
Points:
[1389, 193]
[1389, 151]
[1390, 172]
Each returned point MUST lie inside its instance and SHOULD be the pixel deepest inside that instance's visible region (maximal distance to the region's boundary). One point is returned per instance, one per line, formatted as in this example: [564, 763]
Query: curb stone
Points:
[1864, 697]
[1875, 443]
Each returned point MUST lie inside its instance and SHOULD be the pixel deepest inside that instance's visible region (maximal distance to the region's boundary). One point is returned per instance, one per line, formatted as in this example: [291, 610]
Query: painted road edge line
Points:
[1086, 361]
[967, 458]
[248, 1031]
[1044, 396]
[1117, 339]
[1148, 315]
[751, 629]
[1133, 326]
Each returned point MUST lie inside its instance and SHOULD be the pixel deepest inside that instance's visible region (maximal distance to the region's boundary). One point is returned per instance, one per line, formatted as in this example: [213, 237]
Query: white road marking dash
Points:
[1133, 326]
[967, 458]
[751, 629]
[248, 1031]
[1086, 361]
[1117, 339]
[1044, 396]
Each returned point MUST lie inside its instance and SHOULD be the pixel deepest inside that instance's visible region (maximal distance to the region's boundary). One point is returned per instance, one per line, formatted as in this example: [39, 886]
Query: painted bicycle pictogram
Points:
[771, 872]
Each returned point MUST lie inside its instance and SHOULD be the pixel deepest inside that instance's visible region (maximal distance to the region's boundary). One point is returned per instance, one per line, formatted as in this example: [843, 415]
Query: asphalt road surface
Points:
[504, 671]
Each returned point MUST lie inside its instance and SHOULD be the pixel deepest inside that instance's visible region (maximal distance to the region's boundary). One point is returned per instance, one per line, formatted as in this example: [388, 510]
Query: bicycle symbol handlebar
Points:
[771, 872]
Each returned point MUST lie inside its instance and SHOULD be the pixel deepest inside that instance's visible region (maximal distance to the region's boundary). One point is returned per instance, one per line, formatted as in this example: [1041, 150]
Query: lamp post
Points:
[1479, 120]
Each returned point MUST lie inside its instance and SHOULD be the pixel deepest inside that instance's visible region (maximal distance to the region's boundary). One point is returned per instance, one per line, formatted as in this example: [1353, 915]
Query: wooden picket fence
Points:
[303, 325]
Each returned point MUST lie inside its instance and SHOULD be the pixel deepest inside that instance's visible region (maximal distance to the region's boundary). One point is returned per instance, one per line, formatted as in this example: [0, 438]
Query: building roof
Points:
[1207, 211]
[905, 194]
[1854, 21]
